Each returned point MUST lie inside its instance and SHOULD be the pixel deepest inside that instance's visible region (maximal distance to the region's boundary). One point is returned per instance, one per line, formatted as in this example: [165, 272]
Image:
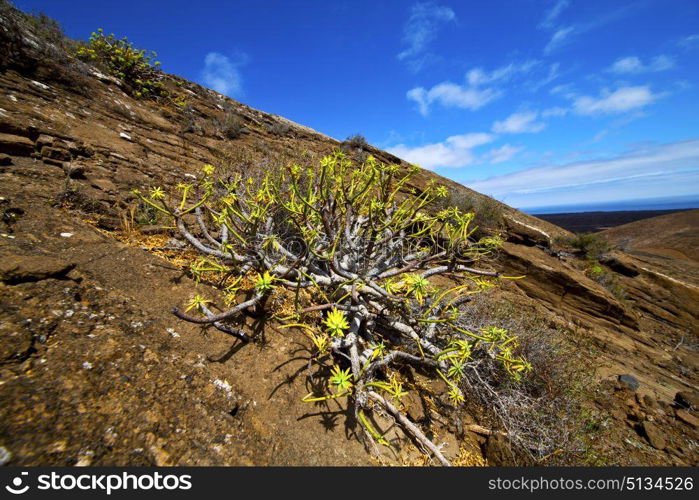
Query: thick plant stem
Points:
[407, 424]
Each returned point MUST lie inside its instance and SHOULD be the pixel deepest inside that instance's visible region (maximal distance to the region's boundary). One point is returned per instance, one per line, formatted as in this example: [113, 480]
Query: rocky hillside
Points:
[94, 369]
[668, 242]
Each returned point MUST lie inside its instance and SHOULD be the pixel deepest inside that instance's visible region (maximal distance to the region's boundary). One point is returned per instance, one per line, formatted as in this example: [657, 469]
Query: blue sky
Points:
[536, 102]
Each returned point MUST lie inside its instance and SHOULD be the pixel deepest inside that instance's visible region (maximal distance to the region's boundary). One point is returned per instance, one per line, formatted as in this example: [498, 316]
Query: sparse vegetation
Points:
[591, 245]
[593, 248]
[488, 212]
[356, 141]
[230, 125]
[544, 414]
[278, 128]
[34, 44]
[190, 121]
[607, 279]
[338, 254]
[137, 68]
[48, 29]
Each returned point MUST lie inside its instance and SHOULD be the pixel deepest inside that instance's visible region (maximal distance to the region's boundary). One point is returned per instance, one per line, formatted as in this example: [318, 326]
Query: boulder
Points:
[654, 436]
[650, 402]
[687, 399]
[44, 140]
[24, 268]
[629, 382]
[688, 418]
[55, 153]
[16, 145]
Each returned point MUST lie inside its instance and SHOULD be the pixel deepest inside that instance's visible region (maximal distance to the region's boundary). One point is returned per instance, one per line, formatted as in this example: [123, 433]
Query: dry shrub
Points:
[545, 414]
[280, 129]
[591, 245]
[230, 125]
[356, 141]
[489, 212]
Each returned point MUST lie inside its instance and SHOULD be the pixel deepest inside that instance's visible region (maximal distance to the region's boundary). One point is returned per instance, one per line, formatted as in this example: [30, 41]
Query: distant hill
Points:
[592, 222]
[674, 235]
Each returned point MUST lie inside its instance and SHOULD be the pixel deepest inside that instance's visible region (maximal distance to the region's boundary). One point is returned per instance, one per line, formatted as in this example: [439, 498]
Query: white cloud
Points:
[555, 111]
[477, 76]
[222, 74]
[519, 123]
[552, 14]
[634, 65]
[455, 151]
[552, 75]
[421, 28]
[560, 37]
[563, 35]
[471, 95]
[646, 172]
[600, 135]
[502, 154]
[620, 101]
[690, 41]
[452, 95]
[566, 89]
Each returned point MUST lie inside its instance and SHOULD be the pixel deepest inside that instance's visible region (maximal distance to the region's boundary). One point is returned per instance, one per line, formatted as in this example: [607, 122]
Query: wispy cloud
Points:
[222, 73]
[421, 28]
[634, 65]
[648, 171]
[620, 101]
[555, 111]
[502, 154]
[553, 74]
[560, 37]
[479, 76]
[519, 123]
[455, 151]
[472, 95]
[565, 89]
[689, 42]
[551, 15]
[563, 34]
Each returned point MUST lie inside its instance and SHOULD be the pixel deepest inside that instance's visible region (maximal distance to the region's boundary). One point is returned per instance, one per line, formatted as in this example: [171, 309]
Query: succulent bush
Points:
[118, 57]
[359, 254]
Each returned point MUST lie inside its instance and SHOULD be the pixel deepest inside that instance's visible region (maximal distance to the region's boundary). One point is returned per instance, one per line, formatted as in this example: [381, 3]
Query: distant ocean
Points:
[647, 204]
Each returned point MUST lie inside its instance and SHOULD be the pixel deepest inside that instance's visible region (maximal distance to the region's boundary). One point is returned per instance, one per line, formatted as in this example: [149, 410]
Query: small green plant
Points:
[592, 246]
[607, 279]
[336, 323]
[264, 283]
[118, 57]
[342, 379]
[595, 271]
